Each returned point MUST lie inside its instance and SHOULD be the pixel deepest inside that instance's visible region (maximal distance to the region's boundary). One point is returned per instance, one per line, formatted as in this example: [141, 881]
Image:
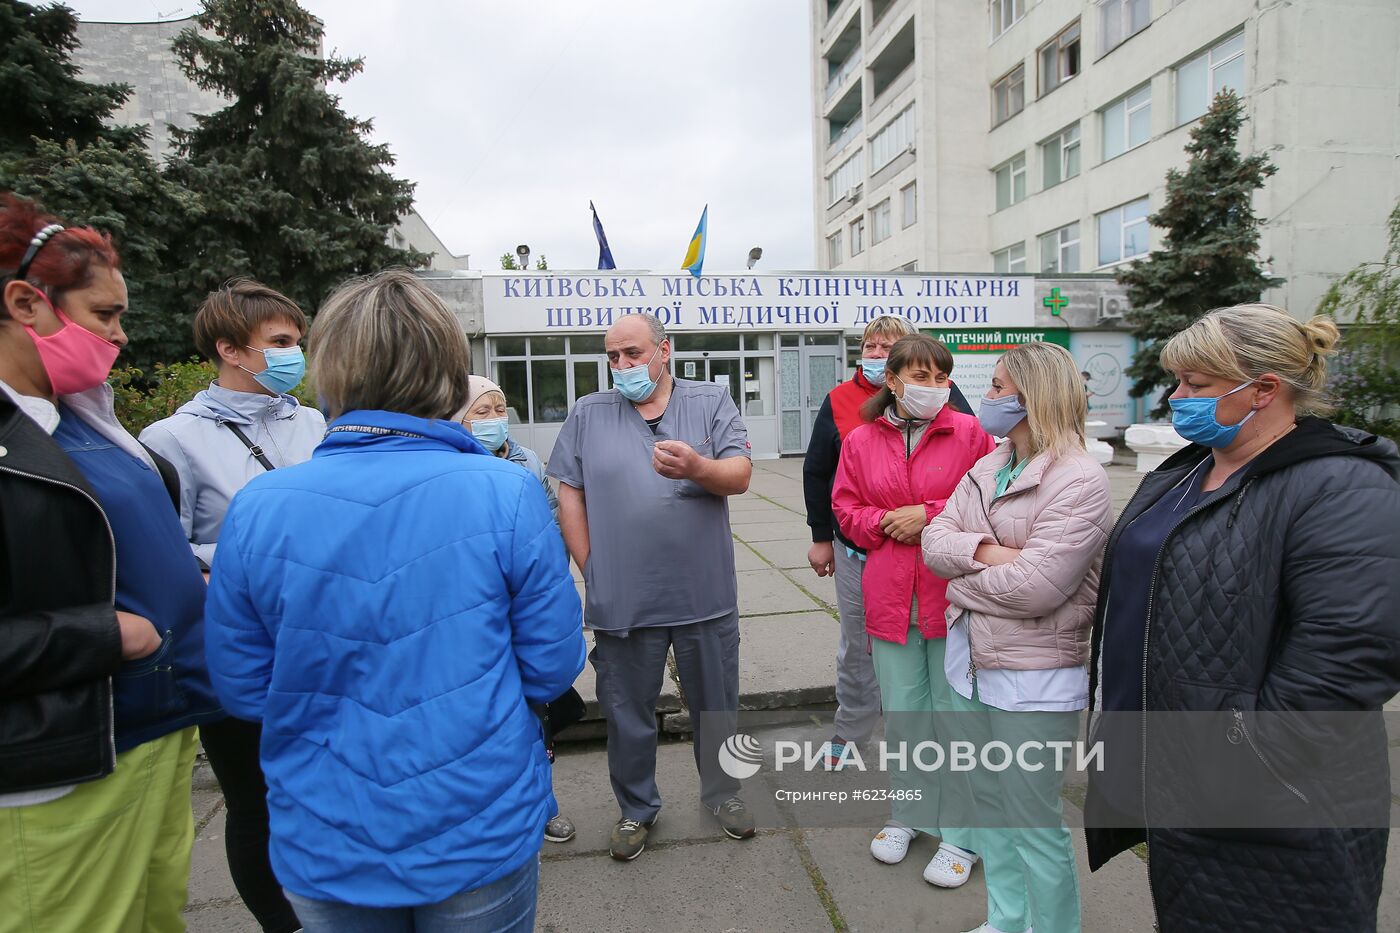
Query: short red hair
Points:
[65, 262]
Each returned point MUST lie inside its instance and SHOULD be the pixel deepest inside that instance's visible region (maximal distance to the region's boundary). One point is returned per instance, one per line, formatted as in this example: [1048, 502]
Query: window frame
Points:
[1211, 66]
[1123, 8]
[1062, 244]
[894, 127]
[1013, 175]
[1063, 148]
[909, 205]
[1012, 79]
[1122, 229]
[997, 7]
[1128, 112]
[1063, 57]
[883, 210]
[1007, 251]
[835, 245]
[836, 172]
[858, 236]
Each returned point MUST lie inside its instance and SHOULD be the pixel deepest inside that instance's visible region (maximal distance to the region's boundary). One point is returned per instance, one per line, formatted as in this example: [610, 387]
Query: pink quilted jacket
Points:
[874, 477]
[1034, 613]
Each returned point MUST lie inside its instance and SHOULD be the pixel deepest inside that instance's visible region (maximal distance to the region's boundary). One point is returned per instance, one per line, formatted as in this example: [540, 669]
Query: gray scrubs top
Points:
[660, 549]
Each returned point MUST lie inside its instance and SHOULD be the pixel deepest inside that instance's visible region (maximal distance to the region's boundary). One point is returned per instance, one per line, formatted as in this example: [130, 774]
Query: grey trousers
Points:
[857, 690]
[630, 668]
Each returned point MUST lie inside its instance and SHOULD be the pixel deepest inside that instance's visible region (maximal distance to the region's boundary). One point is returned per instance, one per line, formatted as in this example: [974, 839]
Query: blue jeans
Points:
[504, 906]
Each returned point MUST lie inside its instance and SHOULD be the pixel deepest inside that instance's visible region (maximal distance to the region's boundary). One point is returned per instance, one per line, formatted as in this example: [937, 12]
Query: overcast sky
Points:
[510, 117]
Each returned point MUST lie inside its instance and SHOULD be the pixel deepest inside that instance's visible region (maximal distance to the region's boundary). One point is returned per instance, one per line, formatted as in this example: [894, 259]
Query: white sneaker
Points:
[950, 866]
[891, 844]
[988, 928]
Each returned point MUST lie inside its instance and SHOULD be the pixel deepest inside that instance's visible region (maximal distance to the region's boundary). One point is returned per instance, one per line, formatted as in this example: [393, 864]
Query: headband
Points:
[40, 238]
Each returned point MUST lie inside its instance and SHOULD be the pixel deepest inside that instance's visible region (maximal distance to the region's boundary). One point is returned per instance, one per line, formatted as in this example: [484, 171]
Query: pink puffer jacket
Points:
[874, 477]
[1034, 613]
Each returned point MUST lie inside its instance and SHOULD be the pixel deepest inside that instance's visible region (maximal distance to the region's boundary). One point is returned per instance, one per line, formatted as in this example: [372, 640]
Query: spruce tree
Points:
[44, 96]
[292, 192]
[1208, 255]
[59, 147]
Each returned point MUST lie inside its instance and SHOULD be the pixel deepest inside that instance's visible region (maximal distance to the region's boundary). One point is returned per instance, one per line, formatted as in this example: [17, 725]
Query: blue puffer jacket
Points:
[387, 609]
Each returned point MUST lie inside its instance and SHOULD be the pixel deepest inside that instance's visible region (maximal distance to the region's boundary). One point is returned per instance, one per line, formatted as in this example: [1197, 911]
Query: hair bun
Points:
[1322, 335]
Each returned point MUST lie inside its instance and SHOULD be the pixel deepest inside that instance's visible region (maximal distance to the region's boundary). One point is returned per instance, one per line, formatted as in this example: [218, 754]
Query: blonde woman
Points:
[1256, 571]
[388, 610]
[1020, 543]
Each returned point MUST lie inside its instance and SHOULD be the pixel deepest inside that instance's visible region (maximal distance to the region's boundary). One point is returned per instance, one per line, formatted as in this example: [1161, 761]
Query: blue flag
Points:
[605, 260]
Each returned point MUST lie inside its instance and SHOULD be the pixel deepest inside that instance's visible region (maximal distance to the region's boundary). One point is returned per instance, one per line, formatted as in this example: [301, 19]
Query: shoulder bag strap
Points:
[254, 449]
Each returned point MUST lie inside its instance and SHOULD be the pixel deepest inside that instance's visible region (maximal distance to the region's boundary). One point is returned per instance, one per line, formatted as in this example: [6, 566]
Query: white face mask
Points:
[923, 402]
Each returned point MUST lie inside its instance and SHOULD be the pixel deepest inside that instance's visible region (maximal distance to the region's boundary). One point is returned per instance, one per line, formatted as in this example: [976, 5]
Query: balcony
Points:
[892, 70]
[840, 75]
[844, 121]
[841, 135]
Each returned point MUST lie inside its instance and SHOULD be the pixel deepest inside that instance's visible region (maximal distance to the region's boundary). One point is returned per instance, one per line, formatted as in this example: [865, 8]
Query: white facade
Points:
[1319, 78]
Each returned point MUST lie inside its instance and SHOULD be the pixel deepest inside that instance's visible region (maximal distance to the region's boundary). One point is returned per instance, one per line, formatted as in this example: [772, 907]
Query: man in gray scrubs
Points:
[643, 471]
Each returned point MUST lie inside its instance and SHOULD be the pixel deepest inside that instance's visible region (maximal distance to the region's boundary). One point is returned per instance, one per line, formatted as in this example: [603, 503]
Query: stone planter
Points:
[1152, 443]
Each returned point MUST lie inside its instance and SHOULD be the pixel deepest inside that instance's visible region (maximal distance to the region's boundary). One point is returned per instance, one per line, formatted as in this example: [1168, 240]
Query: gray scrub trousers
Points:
[659, 576]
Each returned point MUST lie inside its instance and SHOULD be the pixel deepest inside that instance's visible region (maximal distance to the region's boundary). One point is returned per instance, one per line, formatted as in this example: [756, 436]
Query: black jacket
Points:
[59, 639]
[1276, 593]
[819, 468]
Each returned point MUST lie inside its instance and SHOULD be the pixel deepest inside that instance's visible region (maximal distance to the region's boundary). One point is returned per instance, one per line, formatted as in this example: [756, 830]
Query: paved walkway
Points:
[790, 877]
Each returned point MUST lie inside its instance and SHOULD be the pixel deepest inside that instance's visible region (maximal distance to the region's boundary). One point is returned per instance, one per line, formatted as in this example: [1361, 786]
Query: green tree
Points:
[291, 190]
[1365, 379]
[44, 97]
[57, 147]
[1208, 258]
[508, 262]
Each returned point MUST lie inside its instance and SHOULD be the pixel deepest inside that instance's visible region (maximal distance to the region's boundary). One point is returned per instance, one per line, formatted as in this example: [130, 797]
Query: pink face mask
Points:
[75, 358]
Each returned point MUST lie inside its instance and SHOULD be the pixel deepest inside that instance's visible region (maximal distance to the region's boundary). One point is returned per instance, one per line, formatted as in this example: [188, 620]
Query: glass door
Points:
[810, 367]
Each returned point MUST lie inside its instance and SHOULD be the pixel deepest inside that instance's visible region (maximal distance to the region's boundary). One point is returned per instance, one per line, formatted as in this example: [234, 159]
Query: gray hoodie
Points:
[214, 464]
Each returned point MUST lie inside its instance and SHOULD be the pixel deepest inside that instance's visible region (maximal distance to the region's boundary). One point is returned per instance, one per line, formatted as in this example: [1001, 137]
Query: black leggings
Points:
[232, 747]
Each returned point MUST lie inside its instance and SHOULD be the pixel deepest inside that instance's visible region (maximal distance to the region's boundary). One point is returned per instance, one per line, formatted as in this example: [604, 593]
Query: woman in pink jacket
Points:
[1020, 543]
[896, 473]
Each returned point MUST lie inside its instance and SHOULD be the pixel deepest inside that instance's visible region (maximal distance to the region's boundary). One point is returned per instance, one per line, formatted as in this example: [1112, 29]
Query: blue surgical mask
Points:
[635, 384]
[1194, 419]
[491, 433]
[286, 366]
[873, 370]
[1000, 415]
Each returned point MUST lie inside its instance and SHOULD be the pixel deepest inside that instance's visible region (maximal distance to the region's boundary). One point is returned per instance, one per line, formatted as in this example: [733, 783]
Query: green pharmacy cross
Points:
[1055, 301]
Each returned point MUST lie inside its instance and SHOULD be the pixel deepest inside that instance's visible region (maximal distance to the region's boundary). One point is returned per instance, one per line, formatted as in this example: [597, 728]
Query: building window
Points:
[910, 197]
[1059, 59]
[1059, 157]
[1005, 13]
[1009, 95]
[841, 181]
[881, 223]
[1011, 182]
[1123, 232]
[858, 236]
[1127, 123]
[1059, 250]
[833, 250]
[1011, 259]
[894, 138]
[1206, 75]
[1120, 20]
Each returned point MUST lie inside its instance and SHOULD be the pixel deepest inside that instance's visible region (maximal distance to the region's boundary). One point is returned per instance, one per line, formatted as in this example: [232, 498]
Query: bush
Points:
[142, 400]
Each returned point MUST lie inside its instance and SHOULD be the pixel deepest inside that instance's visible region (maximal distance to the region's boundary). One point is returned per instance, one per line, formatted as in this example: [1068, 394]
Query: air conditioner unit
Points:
[1111, 308]
[853, 192]
[911, 147]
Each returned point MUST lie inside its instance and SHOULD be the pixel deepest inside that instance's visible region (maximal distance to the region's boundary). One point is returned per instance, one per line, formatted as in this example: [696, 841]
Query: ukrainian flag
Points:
[695, 253]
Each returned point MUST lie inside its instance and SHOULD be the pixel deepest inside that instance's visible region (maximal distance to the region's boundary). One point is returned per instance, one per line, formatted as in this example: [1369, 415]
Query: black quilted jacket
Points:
[1279, 592]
